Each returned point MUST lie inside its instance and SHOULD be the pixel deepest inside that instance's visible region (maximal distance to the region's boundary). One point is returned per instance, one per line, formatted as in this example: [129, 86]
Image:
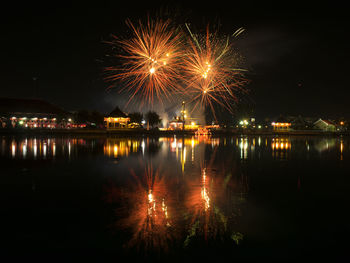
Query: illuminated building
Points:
[116, 120]
[324, 125]
[192, 126]
[281, 125]
[176, 124]
[32, 113]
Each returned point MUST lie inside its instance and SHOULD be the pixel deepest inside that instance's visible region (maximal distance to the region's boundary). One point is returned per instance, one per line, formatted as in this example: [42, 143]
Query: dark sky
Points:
[297, 54]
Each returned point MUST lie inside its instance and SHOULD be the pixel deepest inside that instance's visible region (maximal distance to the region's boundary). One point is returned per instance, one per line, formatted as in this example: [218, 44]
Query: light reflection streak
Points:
[13, 149]
[244, 148]
[44, 150]
[121, 147]
[54, 149]
[204, 191]
[341, 149]
[37, 148]
[24, 150]
[143, 147]
[280, 148]
[206, 197]
[146, 210]
[69, 148]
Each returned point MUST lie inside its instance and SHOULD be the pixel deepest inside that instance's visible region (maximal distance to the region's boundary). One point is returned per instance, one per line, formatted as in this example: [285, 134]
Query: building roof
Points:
[328, 122]
[117, 113]
[29, 106]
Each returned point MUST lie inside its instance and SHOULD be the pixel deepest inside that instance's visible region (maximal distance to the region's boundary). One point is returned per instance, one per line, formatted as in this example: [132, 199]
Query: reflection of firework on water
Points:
[146, 213]
[150, 61]
[211, 70]
[213, 201]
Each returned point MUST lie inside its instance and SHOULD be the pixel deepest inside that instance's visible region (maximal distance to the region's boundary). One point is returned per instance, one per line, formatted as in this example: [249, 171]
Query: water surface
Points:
[246, 198]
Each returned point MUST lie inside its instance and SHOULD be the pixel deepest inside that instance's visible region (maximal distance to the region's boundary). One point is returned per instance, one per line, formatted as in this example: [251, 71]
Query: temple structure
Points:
[116, 120]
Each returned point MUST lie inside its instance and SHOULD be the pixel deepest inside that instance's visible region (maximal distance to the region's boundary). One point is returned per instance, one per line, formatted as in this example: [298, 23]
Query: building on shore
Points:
[281, 125]
[116, 120]
[325, 125]
[176, 124]
[31, 114]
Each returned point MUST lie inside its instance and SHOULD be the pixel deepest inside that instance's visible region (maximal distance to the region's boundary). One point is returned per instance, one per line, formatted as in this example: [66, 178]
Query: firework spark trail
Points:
[151, 61]
[210, 71]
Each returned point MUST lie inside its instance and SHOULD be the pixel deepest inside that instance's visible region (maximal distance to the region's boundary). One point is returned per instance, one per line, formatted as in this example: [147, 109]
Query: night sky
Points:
[296, 54]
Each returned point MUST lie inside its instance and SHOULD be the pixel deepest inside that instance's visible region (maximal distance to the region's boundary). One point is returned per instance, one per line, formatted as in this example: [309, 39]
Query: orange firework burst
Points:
[211, 72]
[151, 59]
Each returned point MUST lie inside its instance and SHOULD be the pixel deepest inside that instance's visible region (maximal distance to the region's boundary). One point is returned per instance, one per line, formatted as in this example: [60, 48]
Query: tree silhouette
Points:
[152, 118]
[136, 117]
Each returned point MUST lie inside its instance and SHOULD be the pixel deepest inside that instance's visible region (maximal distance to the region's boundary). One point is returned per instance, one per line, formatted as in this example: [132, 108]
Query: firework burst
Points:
[211, 72]
[150, 61]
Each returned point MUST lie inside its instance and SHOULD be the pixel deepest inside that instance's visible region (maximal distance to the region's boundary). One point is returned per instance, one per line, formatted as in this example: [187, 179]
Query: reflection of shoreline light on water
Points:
[44, 150]
[38, 148]
[281, 148]
[341, 149]
[281, 144]
[244, 148]
[180, 147]
[184, 149]
[13, 149]
[35, 149]
[69, 148]
[121, 147]
[24, 150]
[143, 147]
[325, 144]
[54, 149]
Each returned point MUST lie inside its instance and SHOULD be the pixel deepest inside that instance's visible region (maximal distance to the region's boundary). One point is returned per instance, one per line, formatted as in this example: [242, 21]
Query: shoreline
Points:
[159, 133]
